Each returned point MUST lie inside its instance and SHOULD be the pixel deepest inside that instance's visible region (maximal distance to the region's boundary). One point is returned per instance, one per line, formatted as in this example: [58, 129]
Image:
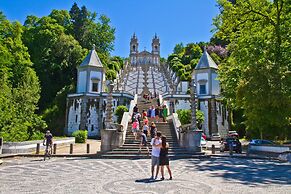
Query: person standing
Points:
[155, 154]
[153, 130]
[149, 112]
[165, 113]
[145, 129]
[164, 158]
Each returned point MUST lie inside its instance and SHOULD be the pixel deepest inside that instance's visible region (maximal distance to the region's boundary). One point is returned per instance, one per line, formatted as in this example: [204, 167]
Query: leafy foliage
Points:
[119, 112]
[19, 91]
[38, 67]
[254, 76]
[184, 60]
[185, 116]
[80, 136]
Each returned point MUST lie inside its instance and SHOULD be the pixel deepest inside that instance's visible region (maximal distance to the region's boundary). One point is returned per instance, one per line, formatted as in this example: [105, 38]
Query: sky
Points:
[174, 21]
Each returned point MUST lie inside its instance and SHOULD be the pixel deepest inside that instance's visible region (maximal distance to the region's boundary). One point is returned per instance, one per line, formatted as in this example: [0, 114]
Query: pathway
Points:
[80, 175]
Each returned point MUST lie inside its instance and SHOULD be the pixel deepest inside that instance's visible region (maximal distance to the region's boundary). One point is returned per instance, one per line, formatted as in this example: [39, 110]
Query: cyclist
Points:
[48, 139]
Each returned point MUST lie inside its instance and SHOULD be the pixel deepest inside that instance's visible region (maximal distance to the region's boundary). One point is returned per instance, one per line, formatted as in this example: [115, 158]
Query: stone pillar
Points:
[193, 105]
[109, 112]
[213, 119]
[194, 140]
[83, 118]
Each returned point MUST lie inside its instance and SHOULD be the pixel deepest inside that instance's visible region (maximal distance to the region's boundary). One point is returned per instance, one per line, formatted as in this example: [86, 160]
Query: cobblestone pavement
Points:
[82, 175]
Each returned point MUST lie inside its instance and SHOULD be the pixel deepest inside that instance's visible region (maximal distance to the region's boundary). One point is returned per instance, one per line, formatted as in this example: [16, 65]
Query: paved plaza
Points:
[82, 175]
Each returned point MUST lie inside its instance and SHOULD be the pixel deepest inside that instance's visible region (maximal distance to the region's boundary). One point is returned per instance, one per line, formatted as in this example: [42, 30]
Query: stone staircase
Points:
[130, 148]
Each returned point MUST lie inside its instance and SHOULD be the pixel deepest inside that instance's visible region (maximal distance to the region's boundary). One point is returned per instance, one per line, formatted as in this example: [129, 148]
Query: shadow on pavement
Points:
[147, 180]
[249, 172]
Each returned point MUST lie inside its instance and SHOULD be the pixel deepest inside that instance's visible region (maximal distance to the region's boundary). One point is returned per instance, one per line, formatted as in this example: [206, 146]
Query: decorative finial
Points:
[94, 46]
[156, 35]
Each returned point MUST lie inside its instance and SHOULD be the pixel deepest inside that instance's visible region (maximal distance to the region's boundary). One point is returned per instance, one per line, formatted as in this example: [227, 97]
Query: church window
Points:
[76, 120]
[92, 127]
[95, 83]
[202, 89]
[133, 47]
[156, 47]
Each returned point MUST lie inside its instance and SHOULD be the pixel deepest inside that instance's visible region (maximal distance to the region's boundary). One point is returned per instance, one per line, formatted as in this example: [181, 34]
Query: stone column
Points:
[193, 105]
[109, 112]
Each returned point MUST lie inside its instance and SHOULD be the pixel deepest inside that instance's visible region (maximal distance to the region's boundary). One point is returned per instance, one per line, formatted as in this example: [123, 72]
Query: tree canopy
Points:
[20, 89]
[38, 62]
[254, 76]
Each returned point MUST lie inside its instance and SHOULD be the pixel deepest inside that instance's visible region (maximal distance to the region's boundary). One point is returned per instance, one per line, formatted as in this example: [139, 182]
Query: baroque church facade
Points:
[144, 57]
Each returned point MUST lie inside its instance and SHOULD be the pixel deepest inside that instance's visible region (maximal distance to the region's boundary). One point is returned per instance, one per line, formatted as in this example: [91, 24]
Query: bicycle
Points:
[48, 152]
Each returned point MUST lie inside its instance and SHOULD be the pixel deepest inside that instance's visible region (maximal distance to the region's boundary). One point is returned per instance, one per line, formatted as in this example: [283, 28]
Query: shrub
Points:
[119, 112]
[80, 136]
[185, 117]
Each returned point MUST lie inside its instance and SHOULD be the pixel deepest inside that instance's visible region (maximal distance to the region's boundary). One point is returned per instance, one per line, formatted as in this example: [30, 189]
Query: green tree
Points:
[110, 74]
[179, 49]
[254, 76]
[19, 86]
[88, 32]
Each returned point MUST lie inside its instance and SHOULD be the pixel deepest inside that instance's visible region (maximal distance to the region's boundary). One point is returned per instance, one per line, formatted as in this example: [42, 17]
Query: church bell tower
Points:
[133, 49]
[156, 49]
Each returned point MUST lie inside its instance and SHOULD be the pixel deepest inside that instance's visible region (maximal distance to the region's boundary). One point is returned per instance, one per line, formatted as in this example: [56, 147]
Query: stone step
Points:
[145, 156]
[144, 151]
[143, 148]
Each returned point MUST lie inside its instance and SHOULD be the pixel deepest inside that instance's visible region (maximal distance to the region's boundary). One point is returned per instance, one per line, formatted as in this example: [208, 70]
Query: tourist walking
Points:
[164, 158]
[135, 109]
[155, 154]
[143, 142]
[135, 128]
[138, 117]
[145, 129]
[144, 114]
[145, 121]
[153, 130]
